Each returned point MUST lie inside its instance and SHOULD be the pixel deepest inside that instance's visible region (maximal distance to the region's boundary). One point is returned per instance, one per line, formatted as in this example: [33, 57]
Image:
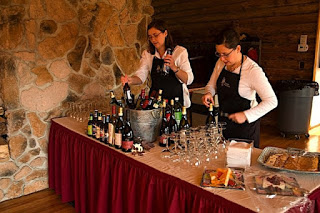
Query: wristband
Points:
[177, 70]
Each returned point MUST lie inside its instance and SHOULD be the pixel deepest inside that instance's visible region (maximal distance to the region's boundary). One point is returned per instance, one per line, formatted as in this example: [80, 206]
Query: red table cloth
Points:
[99, 178]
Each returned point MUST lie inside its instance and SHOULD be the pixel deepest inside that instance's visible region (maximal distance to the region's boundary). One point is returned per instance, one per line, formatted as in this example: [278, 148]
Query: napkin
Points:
[239, 154]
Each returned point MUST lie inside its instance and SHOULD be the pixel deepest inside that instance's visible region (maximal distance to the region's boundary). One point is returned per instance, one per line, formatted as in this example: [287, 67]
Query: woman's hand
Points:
[169, 61]
[207, 99]
[124, 80]
[238, 117]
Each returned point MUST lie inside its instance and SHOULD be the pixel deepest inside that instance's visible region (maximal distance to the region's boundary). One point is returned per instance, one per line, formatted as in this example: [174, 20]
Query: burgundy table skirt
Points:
[100, 179]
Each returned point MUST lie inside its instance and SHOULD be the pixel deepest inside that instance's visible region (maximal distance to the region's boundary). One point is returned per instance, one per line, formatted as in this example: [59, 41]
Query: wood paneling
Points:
[278, 23]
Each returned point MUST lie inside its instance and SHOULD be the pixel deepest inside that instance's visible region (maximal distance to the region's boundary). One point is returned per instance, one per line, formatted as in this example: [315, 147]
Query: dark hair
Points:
[162, 26]
[229, 37]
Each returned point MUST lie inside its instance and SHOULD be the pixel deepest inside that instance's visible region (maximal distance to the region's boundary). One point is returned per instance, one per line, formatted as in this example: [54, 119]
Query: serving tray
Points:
[268, 151]
[238, 179]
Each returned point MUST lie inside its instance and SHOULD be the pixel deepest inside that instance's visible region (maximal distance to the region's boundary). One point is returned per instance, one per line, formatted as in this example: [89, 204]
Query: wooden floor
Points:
[48, 201]
[270, 136]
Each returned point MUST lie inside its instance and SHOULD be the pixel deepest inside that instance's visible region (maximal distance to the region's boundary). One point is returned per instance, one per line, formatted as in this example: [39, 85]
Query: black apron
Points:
[167, 81]
[231, 102]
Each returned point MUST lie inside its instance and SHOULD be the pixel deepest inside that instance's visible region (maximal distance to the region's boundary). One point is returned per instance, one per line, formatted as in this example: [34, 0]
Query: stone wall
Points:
[52, 52]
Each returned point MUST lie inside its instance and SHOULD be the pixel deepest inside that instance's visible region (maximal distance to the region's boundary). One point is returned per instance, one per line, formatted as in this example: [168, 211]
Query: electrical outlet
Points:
[301, 65]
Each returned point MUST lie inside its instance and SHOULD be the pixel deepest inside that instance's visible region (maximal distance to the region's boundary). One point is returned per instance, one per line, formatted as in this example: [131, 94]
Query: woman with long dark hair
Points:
[172, 80]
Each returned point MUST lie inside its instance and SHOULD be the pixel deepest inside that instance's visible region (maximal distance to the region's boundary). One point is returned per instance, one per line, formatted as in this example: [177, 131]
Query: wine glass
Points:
[166, 152]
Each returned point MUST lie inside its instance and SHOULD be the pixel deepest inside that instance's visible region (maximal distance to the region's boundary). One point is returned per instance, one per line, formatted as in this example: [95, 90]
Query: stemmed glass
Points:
[175, 157]
[69, 110]
[166, 152]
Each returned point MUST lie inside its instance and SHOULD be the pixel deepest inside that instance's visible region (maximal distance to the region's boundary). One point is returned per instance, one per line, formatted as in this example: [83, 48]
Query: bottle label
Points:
[128, 94]
[90, 130]
[127, 144]
[163, 140]
[111, 134]
[98, 132]
[106, 136]
[94, 130]
[178, 116]
[117, 139]
[168, 116]
[102, 134]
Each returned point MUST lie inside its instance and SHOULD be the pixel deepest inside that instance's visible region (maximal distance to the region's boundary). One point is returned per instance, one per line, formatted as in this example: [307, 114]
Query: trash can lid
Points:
[285, 85]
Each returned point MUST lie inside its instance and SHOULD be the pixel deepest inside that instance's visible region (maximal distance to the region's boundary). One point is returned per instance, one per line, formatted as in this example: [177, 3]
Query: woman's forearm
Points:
[182, 75]
[134, 80]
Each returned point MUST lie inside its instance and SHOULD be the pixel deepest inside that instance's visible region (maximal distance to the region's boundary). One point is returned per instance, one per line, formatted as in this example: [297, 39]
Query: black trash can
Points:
[294, 107]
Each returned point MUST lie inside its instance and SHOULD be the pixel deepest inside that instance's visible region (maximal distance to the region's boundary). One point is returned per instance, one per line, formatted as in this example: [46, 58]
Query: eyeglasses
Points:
[153, 36]
[223, 55]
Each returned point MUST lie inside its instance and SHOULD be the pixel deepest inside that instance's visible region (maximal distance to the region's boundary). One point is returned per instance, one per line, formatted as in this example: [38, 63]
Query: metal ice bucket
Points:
[146, 123]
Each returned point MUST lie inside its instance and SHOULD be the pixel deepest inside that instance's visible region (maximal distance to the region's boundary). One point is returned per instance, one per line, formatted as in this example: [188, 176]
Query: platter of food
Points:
[229, 178]
[278, 185]
[293, 160]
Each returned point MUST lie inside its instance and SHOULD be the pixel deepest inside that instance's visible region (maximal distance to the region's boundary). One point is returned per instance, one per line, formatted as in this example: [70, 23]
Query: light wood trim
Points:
[317, 50]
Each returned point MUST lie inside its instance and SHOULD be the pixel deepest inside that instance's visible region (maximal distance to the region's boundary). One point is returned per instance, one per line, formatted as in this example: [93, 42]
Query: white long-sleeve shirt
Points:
[253, 80]
[180, 56]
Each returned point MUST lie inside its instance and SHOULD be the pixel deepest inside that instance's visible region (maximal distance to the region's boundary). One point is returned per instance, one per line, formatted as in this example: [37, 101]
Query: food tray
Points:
[266, 152]
[290, 188]
[238, 179]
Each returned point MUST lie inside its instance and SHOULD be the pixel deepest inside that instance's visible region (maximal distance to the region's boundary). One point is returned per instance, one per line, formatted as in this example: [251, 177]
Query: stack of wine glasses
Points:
[196, 147]
[80, 110]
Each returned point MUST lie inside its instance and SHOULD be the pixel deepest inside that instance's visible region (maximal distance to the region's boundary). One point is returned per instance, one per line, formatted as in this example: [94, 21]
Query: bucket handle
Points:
[156, 114]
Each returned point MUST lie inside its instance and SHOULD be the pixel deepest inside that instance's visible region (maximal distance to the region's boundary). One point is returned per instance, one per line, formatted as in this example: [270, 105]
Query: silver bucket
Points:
[146, 123]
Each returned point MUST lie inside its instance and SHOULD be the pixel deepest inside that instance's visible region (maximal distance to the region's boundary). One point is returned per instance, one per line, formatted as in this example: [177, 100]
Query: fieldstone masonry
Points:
[51, 53]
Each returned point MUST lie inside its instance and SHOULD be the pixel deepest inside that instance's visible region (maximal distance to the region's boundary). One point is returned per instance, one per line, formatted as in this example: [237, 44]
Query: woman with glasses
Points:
[236, 80]
[169, 72]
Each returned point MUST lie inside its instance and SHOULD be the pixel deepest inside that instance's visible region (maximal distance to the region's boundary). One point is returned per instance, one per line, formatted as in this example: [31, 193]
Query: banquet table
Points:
[99, 178]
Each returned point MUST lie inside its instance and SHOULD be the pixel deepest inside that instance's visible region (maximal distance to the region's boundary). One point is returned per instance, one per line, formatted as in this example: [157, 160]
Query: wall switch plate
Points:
[303, 47]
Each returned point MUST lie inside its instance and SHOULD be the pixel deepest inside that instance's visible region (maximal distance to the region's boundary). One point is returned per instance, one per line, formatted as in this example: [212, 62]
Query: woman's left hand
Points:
[238, 117]
[169, 61]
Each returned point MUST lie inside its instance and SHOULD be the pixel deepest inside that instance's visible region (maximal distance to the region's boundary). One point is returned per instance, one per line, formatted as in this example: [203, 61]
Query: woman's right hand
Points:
[124, 79]
[207, 99]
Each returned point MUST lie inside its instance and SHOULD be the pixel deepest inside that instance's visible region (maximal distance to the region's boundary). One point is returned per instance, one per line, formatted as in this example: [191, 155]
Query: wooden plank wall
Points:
[278, 23]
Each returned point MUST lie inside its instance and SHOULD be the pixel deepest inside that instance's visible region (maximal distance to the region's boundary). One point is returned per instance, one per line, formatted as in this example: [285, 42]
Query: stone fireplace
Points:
[51, 53]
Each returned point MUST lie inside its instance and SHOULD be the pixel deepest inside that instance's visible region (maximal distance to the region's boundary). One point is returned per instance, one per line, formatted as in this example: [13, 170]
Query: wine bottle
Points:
[94, 124]
[173, 126]
[111, 126]
[159, 94]
[177, 110]
[145, 102]
[90, 124]
[216, 109]
[127, 135]
[158, 101]
[150, 103]
[140, 99]
[168, 110]
[210, 121]
[113, 100]
[98, 126]
[128, 96]
[106, 129]
[184, 123]
[164, 129]
[118, 130]
[166, 68]
[102, 129]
